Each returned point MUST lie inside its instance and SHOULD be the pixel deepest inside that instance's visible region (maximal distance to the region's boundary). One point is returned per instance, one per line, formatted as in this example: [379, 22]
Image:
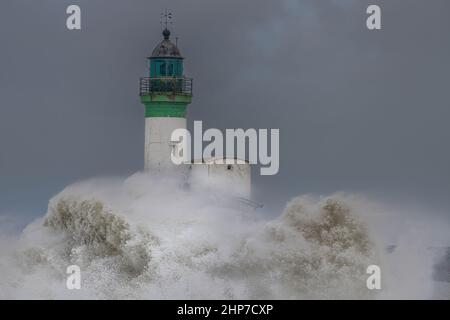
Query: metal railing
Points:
[150, 86]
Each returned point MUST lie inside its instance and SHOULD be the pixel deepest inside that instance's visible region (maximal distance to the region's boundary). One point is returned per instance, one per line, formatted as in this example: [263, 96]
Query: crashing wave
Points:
[145, 238]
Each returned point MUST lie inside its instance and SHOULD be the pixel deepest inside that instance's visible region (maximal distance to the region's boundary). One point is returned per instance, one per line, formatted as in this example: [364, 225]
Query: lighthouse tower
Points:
[166, 93]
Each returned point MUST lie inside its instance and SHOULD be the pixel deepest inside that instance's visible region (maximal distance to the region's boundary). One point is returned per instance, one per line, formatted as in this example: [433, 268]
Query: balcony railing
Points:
[150, 86]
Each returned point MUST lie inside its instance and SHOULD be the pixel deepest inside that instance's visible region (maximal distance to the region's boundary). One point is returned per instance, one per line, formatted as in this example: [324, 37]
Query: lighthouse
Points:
[166, 93]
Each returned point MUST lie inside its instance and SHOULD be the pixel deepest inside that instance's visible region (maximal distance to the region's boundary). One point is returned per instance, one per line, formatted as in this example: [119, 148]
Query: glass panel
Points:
[162, 69]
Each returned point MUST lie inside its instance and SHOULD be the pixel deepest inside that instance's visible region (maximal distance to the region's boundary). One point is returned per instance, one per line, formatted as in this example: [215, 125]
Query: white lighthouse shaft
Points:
[158, 144]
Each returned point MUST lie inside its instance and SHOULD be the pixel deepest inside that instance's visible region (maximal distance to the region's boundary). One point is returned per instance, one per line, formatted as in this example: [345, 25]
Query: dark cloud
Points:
[357, 110]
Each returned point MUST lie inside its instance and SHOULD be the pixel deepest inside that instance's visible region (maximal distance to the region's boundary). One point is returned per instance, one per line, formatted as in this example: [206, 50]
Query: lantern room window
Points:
[162, 69]
[166, 69]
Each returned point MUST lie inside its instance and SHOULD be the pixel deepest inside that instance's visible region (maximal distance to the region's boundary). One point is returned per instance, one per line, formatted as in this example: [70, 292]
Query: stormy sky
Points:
[358, 110]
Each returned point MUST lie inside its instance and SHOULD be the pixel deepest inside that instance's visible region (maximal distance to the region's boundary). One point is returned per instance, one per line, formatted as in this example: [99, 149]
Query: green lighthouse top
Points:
[166, 59]
[165, 71]
[166, 91]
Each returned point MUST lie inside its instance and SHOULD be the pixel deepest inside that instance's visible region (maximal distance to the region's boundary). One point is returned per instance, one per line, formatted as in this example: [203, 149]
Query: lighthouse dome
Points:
[166, 49]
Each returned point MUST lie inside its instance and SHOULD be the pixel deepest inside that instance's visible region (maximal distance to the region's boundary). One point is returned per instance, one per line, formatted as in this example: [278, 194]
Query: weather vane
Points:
[166, 17]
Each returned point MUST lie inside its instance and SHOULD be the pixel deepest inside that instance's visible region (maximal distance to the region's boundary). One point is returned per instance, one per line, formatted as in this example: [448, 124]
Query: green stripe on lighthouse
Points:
[160, 105]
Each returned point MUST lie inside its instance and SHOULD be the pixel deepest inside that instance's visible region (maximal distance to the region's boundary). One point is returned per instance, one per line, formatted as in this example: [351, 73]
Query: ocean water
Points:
[149, 238]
